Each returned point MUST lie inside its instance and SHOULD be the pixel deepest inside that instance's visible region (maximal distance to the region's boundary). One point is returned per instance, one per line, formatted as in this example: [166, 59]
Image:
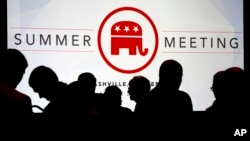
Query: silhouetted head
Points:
[170, 74]
[13, 64]
[139, 86]
[113, 95]
[43, 80]
[218, 86]
[237, 91]
[235, 80]
[88, 82]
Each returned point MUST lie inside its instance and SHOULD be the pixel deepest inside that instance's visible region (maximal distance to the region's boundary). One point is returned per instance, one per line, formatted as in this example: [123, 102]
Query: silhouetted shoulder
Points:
[13, 64]
[183, 94]
[185, 100]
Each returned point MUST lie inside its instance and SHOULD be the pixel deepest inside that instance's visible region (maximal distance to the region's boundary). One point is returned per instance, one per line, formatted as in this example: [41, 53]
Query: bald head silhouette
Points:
[87, 81]
[170, 74]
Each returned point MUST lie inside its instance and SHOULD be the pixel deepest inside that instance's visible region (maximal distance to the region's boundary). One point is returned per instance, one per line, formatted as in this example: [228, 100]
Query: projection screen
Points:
[117, 40]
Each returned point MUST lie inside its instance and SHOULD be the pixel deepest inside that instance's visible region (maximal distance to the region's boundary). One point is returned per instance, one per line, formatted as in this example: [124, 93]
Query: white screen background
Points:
[172, 18]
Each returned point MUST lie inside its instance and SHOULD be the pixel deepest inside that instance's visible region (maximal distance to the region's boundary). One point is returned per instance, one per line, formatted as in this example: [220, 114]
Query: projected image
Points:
[117, 41]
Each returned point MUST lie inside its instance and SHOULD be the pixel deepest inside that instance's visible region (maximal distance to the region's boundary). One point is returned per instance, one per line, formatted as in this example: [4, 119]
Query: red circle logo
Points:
[127, 40]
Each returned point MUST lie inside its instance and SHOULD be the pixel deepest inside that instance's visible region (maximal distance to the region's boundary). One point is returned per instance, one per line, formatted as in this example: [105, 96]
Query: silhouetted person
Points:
[218, 88]
[236, 97]
[166, 98]
[230, 91]
[87, 83]
[231, 106]
[113, 103]
[114, 115]
[86, 101]
[167, 107]
[13, 65]
[45, 82]
[138, 90]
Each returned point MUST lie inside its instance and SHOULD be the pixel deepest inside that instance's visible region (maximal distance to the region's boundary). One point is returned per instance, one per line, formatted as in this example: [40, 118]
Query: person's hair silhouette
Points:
[13, 65]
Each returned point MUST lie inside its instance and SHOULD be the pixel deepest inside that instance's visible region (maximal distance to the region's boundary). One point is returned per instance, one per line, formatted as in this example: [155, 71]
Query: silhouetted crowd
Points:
[164, 107]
